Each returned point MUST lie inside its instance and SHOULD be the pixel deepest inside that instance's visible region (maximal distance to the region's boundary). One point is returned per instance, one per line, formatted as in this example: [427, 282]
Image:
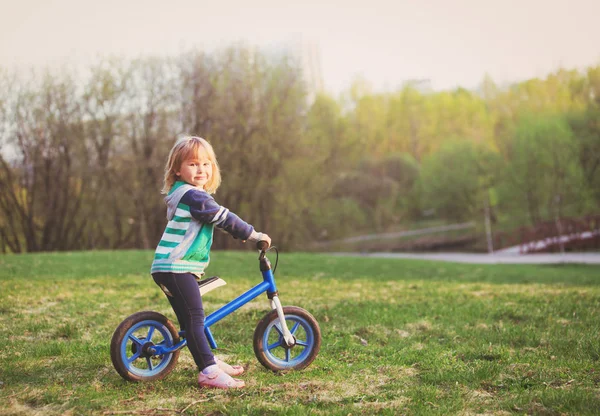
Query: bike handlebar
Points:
[262, 257]
[262, 245]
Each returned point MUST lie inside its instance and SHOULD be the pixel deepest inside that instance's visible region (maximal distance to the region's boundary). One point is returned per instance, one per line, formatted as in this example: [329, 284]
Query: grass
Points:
[399, 337]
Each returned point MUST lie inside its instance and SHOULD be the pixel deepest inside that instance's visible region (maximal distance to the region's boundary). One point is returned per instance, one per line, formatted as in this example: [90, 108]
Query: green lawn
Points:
[399, 337]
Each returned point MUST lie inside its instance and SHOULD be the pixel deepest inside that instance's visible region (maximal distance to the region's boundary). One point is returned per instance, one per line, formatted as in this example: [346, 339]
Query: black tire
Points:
[151, 367]
[272, 351]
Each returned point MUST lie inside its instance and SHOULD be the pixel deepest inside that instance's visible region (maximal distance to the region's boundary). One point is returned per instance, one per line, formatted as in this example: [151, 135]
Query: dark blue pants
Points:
[184, 296]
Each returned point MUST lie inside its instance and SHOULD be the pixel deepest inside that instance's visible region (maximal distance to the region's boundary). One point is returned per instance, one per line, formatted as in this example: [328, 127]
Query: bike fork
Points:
[287, 335]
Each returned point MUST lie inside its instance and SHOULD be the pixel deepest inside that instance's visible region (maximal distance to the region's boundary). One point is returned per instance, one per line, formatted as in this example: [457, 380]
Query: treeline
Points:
[81, 163]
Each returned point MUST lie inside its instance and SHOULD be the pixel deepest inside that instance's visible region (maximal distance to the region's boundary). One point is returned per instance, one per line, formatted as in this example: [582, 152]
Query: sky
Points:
[450, 43]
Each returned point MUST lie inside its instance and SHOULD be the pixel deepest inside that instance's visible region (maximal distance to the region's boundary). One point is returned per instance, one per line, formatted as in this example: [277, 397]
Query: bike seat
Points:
[210, 283]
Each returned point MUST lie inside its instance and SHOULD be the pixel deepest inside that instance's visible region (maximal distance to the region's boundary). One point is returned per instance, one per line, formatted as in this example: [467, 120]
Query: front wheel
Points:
[131, 347]
[271, 348]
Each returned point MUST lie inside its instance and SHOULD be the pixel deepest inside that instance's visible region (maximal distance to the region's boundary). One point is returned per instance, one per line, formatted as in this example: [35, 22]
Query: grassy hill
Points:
[399, 336]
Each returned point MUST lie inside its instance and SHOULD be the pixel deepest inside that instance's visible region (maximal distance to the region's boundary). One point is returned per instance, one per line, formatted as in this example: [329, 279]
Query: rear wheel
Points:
[132, 342]
[271, 349]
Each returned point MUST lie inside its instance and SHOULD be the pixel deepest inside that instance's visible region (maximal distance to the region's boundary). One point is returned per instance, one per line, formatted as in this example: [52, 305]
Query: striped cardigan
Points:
[185, 244]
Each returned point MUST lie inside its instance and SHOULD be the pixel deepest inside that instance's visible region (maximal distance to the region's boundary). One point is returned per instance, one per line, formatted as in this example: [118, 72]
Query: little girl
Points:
[191, 176]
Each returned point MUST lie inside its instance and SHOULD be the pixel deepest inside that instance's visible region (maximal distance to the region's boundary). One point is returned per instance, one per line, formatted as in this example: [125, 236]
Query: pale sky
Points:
[450, 42]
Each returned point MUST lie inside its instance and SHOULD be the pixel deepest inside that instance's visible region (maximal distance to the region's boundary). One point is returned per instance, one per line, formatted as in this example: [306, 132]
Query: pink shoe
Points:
[219, 380]
[232, 370]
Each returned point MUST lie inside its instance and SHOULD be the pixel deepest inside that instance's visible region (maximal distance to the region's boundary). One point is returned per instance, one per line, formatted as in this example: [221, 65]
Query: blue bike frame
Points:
[267, 285]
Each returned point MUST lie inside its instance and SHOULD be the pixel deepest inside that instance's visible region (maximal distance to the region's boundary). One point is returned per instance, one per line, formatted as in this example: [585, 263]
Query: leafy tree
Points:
[336, 218]
[298, 169]
[326, 149]
[543, 172]
[586, 129]
[405, 171]
[456, 180]
[255, 127]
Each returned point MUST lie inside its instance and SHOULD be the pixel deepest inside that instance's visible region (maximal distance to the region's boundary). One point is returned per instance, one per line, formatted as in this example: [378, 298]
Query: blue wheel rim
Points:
[131, 348]
[273, 342]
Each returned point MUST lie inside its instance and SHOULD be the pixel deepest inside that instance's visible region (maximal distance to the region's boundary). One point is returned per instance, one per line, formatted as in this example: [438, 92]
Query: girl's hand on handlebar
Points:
[266, 238]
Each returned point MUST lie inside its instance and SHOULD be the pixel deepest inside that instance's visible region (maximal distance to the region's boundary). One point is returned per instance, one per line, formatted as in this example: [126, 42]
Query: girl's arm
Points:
[205, 209]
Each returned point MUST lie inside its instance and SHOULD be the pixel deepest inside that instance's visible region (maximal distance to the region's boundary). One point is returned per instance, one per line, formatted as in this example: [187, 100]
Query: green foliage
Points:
[336, 218]
[405, 171]
[586, 128]
[544, 170]
[383, 188]
[400, 167]
[81, 165]
[456, 179]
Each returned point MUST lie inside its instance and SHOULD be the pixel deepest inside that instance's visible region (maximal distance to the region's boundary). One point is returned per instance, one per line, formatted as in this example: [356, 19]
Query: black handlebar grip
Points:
[262, 245]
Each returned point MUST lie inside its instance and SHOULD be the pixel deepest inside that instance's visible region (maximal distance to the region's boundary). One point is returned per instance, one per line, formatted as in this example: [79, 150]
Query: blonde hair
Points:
[190, 147]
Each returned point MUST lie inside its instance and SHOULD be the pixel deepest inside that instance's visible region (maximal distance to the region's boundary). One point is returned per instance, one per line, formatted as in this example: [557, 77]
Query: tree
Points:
[456, 180]
[42, 192]
[405, 171]
[543, 173]
[105, 102]
[586, 129]
[149, 132]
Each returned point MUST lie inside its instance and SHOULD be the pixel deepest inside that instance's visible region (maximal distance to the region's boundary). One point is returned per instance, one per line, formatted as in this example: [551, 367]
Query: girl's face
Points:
[196, 171]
